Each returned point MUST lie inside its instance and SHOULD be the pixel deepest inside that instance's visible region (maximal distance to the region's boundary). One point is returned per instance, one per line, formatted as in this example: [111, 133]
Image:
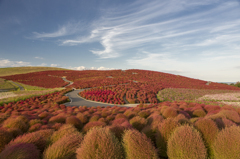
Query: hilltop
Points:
[22, 70]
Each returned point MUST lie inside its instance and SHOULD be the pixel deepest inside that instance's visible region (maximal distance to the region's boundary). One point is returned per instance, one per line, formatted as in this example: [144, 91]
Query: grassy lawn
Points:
[6, 85]
[6, 97]
[20, 70]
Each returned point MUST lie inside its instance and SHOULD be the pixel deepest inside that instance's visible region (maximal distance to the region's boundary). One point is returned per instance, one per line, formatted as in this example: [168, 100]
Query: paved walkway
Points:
[12, 89]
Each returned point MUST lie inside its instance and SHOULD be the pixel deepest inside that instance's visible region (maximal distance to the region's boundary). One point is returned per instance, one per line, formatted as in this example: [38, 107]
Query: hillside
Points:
[21, 70]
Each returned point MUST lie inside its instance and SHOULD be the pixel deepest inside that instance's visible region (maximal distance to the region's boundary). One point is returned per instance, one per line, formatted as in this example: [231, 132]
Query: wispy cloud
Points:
[67, 29]
[54, 65]
[141, 25]
[38, 58]
[8, 63]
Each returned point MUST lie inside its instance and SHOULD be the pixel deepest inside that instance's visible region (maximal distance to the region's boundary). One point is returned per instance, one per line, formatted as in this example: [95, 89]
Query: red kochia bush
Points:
[137, 145]
[21, 151]
[100, 143]
[64, 147]
[227, 143]
[170, 112]
[15, 122]
[186, 143]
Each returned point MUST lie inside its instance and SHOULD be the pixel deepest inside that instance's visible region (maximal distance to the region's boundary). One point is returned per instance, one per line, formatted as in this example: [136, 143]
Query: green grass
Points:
[22, 95]
[21, 70]
[4, 84]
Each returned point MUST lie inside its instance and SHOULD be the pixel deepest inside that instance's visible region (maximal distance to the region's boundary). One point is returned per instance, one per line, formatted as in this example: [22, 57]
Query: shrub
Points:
[65, 129]
[199, 113]
[58, 119]
[138, 122]
[64, 147]
[227, 143]
[16, 123]
[35, 127]
[43, 115]
[74, 121]
[130, 114]
[209, 130]
[144, 113]
[186, 143]
[154, 120]
[120, 116]
[170, 112]
[15, 132]
[227, 122]
[117, 130]
[5, 138]
[119, 121]
[149, 132]
[83, 118]
[21, 151]
[94, 118]
[163, 133]
[137, 145]
[34, 121]
[33, 138]
[90, 125]
[3, 117]
[100, 143]
[231, 115]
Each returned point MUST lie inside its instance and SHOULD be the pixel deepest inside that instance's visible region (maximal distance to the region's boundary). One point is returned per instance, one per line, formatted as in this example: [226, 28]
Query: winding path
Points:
[77, 100]
[7, 90]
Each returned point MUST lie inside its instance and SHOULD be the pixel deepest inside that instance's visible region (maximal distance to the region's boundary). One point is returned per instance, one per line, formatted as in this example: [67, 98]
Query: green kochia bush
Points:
[100, 143]
[163, 133]
[138, 146]
[227, 143]
[209, 130]
[64, 148]
[186, 143]
[21, 151]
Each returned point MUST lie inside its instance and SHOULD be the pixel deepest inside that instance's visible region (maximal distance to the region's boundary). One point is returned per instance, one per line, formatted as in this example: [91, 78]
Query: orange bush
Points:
[138, 122]
[164, 131]
[90, 125]
[14, 122]
[74, 121]
[64, 147]
[100, 143]
[186, 143]
[227, 143]
[169, 112]
[137, 145]
[83, 118]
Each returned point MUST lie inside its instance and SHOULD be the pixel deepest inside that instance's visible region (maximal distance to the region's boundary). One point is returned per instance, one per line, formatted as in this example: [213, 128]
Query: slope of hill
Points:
[21, 70]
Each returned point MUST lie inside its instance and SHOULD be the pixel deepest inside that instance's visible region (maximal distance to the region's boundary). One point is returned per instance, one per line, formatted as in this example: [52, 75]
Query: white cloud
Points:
[8, 63]
[91, 68]
[43, 64]
[38, 58]
[54, 65]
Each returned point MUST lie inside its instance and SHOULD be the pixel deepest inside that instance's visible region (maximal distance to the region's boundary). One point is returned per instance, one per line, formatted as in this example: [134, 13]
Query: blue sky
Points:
[197, 39]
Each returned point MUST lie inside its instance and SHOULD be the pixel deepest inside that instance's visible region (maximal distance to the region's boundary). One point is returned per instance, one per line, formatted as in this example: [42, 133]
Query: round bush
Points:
[15, 123]
[227, 143]
[64, 147]
[163, 133]
[65, 129]
[138, 122]
[170, 112]
[5, 138]
[137, 145]
[92, 124]
[82, 117]
[100, 143]
[186, 143]
[74, 121]
[21, 151]
[144, 113]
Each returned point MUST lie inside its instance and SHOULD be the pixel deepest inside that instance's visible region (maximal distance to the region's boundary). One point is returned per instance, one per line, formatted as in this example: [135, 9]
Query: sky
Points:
[197, 39]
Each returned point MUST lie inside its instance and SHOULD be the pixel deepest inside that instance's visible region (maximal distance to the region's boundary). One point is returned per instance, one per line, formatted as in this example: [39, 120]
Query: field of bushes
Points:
[42, 127]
